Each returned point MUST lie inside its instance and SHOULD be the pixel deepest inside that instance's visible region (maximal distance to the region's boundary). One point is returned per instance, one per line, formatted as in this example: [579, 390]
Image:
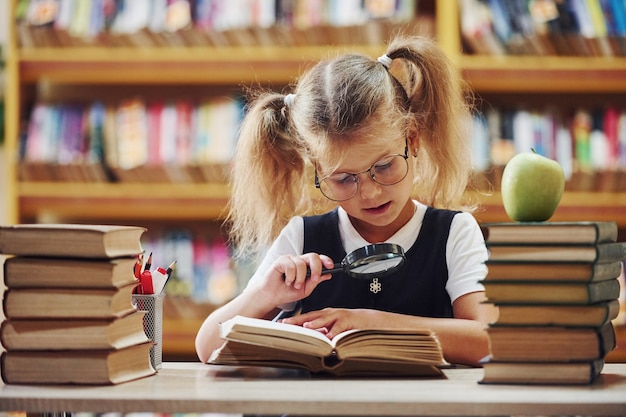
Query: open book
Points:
[258, 342]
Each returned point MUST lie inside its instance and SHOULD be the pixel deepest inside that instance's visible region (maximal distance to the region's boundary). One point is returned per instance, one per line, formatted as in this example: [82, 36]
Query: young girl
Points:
[375, 133]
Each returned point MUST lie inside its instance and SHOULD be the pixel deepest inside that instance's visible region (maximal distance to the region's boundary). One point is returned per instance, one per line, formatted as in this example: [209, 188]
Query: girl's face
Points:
[377, 211]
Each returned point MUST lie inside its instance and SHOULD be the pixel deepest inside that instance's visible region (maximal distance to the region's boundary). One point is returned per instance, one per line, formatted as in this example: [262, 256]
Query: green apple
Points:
[532, 186]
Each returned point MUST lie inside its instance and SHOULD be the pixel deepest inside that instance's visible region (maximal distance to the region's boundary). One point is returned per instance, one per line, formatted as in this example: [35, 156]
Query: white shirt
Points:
[466, 252]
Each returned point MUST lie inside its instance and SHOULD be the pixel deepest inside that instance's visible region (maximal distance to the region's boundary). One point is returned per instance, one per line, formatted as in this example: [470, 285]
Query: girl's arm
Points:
[285, 282]
[248, 303]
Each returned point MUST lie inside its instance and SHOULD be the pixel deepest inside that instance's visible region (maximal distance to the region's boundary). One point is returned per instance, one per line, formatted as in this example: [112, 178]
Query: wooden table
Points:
[194, 387]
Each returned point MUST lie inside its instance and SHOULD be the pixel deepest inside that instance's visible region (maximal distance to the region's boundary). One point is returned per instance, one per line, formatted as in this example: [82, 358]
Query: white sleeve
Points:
[289, 241]
[466, 254]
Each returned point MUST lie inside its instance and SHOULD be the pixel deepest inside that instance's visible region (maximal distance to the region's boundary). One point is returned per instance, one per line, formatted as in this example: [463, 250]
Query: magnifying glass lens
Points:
[375, 265]
[378, 259]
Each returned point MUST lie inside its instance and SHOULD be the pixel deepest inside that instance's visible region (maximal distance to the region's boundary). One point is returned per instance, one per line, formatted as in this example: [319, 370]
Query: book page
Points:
[411, 345]
[275, 334]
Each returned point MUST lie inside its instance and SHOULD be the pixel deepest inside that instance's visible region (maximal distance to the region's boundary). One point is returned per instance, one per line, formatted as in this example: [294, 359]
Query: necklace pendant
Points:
[375, 286]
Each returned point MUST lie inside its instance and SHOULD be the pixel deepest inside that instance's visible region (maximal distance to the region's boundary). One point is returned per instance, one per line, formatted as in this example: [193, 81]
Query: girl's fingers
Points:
[294, 269]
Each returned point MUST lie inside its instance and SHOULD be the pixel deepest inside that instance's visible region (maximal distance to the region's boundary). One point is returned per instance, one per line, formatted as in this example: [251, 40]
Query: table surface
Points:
[195, 387]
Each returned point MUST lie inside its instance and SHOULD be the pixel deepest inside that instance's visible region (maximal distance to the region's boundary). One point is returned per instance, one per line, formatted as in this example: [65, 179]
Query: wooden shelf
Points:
[123, 201]
[188, 65]
[201, 65]
[513, 74]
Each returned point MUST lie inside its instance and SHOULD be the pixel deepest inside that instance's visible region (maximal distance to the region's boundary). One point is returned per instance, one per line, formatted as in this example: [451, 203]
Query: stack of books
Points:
[556, 285]
[68, 305]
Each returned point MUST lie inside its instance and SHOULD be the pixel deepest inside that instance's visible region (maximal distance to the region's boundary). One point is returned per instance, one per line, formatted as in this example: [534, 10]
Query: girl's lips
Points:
[378, 210]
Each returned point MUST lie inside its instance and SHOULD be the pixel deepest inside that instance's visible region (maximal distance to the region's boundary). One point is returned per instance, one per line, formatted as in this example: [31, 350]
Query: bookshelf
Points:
[213, 70]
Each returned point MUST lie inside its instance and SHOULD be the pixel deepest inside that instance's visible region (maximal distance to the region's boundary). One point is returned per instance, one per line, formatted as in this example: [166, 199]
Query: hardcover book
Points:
[73, 334]
[71, 240]
[541, 373]
[552, 271]
[38, 272]
[549, 232]
[545, 292]
[550, 344]
[68, 303]
[592, 315]
[87, 367]
[601, 252]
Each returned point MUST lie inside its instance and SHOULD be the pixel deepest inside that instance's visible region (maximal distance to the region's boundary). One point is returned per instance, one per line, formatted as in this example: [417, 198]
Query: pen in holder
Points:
[152, 323]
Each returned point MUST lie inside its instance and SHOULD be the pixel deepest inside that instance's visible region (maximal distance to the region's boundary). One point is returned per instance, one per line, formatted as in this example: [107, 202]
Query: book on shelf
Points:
[550, 343]
[257, 342]
[546, 292]
[552, 271]
[85, 367]
[595, 126]
[541, 373]
[592, 315]
[601, 252]
[617, 9]
[63, 143]
[583, 232]
[71, 240]
[172, 129]
[477, 28]
[566, 28]
[86, 303]
[74, 334]
[132, 126]
[38, 272]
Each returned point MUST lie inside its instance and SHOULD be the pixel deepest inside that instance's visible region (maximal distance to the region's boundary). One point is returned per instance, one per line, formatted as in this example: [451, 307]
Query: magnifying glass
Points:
[376, 260]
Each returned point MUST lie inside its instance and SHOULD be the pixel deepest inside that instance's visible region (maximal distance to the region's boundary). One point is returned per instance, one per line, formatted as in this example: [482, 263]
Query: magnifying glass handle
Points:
[336, 268]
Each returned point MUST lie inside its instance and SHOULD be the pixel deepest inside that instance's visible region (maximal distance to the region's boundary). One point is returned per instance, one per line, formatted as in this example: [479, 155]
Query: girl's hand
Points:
[288, 281]
[332, 321]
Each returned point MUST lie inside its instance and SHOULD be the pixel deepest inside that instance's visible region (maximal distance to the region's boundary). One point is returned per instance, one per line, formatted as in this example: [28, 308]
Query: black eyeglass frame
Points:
[369, 171]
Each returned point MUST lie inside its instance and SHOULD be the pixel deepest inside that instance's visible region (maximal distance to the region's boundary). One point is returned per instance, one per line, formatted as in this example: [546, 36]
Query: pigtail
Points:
[267, 176]
[442, 117]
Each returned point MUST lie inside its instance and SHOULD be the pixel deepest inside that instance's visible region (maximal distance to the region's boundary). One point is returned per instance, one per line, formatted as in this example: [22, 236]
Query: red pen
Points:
[146, 283]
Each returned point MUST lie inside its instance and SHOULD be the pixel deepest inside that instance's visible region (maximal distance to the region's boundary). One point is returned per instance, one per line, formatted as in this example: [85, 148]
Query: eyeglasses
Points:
[343, 186]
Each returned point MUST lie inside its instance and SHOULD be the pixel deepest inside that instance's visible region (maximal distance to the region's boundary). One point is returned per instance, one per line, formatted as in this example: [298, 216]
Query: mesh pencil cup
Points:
[152, 323]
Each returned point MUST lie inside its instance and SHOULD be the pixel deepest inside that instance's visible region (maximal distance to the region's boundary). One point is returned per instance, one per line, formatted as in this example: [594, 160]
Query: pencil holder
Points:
[153, 324]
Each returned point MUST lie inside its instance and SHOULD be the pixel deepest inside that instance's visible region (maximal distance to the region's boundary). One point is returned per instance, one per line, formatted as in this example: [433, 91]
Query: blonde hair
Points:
[332, 102]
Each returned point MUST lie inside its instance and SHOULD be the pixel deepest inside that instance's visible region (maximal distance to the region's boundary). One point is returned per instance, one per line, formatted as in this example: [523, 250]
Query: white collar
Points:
[405, 237]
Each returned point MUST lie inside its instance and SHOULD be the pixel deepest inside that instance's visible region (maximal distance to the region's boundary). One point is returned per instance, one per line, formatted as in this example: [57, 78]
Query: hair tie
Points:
[289, 100]
[385, 60]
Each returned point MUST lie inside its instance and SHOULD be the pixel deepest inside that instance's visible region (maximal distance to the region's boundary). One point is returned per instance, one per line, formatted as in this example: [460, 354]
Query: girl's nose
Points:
[368, 188]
